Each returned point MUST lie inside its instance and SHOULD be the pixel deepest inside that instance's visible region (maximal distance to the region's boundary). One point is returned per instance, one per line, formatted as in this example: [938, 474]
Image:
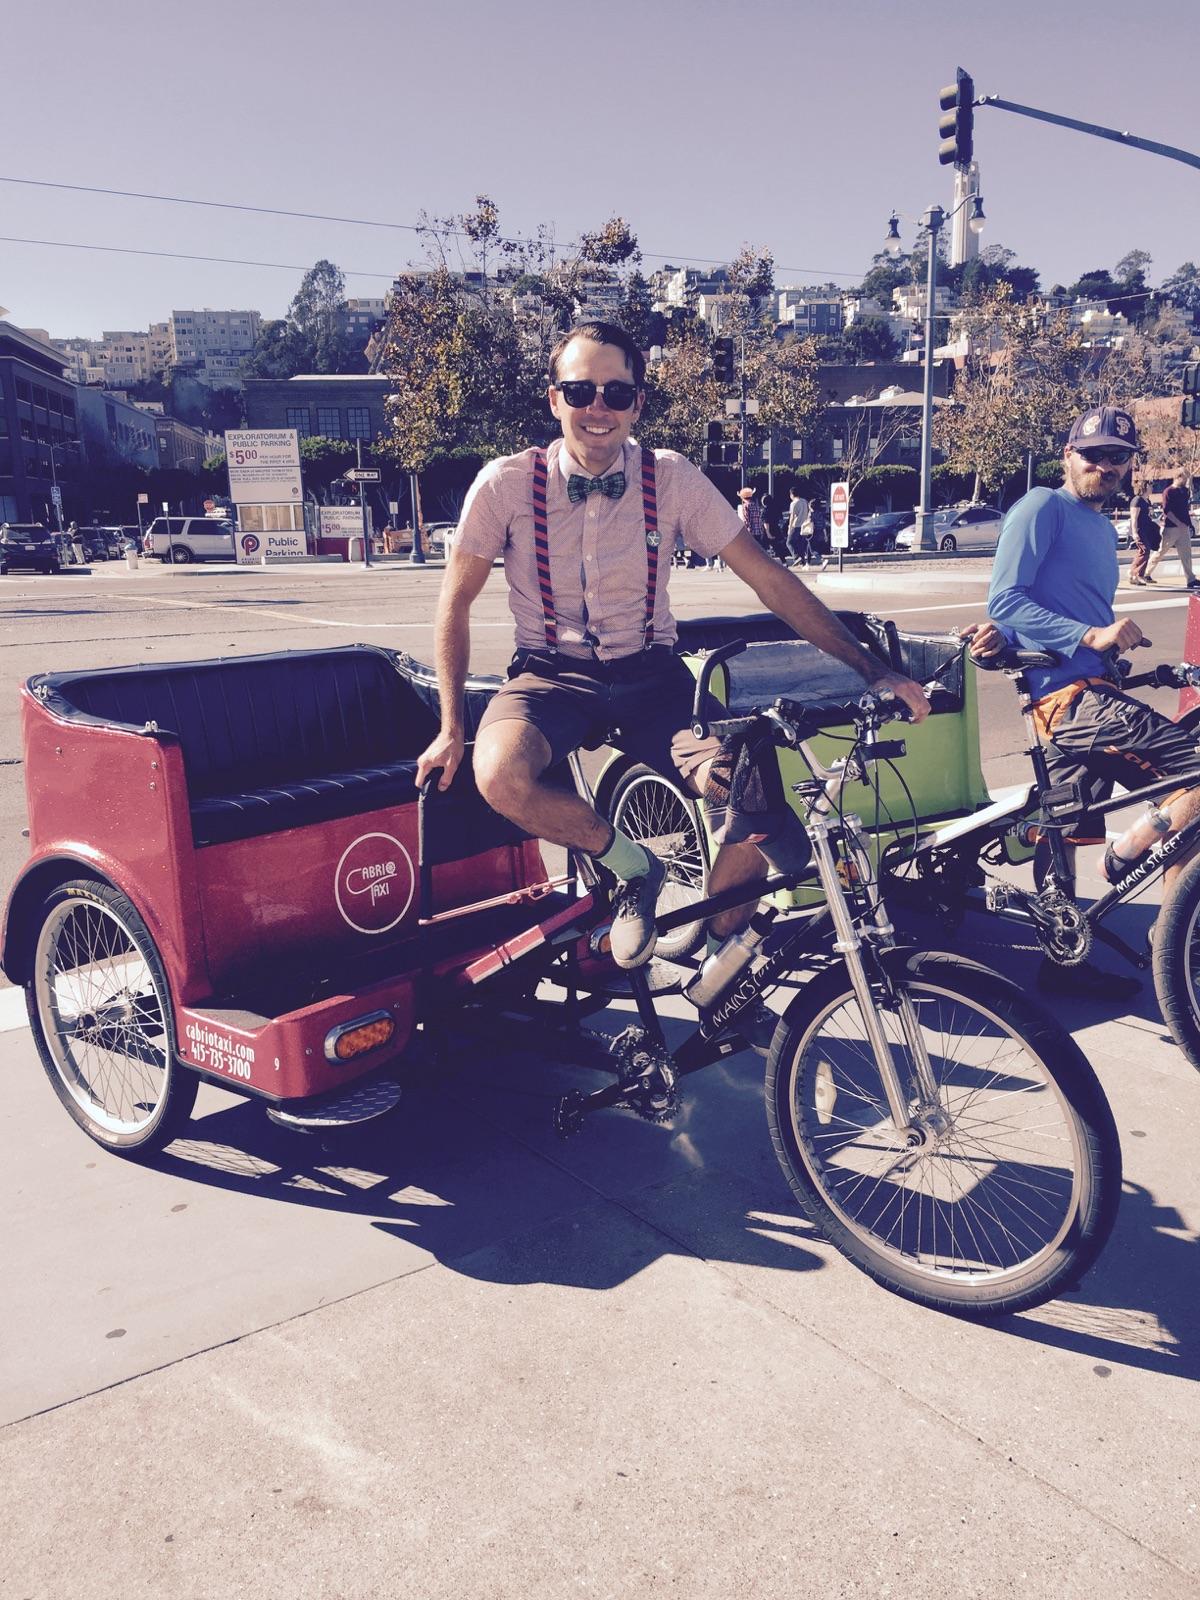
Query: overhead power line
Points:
[319, 216]
[178, 255]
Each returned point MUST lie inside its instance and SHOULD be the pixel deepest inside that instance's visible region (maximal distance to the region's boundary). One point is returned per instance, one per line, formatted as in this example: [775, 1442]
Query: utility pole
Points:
[933, 220]
[742, 365]
[362, 507]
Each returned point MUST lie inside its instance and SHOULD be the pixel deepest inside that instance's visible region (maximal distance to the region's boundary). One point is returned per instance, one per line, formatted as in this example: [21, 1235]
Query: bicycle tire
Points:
[656, 813]
[951, 1224]
[1176, 961]
[100, 1011]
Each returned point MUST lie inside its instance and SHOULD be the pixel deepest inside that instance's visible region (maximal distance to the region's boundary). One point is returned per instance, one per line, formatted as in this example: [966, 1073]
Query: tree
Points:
[1167, 446]
[868, 339]
[1131, 269]
[1182, 288]
[313, 337]
[638, 317]
[1019, 388]
[682, 397]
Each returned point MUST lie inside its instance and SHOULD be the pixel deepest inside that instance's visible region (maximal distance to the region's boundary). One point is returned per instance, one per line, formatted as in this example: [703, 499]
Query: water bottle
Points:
[1149, 828]
[723, 966]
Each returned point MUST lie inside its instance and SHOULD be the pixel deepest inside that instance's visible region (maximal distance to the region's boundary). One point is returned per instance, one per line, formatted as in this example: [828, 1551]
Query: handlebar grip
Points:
[714, 659]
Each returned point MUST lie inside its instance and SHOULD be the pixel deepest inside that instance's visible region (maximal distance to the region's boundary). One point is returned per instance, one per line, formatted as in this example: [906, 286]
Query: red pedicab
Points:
[234, 878]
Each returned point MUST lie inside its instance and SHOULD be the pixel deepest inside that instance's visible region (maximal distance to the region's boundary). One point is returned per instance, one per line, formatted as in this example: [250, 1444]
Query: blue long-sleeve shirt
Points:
[1054, 577]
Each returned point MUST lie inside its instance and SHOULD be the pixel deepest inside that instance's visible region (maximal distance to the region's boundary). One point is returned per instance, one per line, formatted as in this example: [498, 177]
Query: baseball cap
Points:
[1104, 425]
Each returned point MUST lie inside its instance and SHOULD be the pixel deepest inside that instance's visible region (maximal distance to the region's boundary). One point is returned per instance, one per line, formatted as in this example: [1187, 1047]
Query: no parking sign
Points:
[839, 516]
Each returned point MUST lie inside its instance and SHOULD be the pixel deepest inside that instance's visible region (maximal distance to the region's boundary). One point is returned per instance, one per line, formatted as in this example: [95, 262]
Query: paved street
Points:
[448, 1356]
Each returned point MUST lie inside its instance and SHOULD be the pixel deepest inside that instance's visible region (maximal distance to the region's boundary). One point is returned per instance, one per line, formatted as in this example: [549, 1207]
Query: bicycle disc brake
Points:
[1064, 931]
[646, 1076]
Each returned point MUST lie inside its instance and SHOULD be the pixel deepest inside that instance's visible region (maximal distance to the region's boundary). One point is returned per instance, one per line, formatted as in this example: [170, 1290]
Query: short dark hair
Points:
[602, 333]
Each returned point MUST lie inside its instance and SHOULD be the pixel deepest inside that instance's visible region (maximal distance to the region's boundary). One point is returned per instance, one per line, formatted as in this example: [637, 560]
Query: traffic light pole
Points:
[933, 220]
[742, 450]
[1169, 150]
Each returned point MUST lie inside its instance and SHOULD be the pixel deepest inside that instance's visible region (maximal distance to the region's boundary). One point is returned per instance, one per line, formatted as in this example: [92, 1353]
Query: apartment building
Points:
[39, 427]
[213, 344]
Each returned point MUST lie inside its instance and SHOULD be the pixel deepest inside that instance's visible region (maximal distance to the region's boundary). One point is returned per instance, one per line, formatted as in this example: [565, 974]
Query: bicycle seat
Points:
[1011, 659]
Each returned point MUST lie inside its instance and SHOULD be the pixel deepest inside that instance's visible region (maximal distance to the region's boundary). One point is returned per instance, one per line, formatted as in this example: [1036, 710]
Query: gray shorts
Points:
[1106, 737]
[636, 703]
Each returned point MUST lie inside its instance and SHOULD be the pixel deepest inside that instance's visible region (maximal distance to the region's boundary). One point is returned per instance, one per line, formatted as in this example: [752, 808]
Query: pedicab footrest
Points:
[360, 1102]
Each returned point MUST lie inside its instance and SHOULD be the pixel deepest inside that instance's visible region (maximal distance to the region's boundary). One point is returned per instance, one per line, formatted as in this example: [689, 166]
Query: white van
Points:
[184, 539]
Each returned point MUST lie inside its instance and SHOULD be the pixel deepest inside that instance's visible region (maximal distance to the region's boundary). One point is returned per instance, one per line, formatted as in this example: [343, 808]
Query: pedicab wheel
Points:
[1004, 1186]
[100, 1010]
[1176, 951]
[656, 813]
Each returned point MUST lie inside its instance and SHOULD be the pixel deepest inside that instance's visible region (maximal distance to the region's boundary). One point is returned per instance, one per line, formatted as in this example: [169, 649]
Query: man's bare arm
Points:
[793, 601]
[465, 578]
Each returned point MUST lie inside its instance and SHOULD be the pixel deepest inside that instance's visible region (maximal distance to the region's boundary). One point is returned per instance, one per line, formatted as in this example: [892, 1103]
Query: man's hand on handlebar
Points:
[984, 638]
[1123, 634]
[905, 690]
[446, 752]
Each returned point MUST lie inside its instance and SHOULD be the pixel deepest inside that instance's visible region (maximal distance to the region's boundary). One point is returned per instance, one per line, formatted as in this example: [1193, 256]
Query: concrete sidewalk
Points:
[448, 1356]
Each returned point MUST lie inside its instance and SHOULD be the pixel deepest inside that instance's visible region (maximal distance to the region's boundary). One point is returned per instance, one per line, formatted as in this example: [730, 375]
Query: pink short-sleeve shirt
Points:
[597, 546]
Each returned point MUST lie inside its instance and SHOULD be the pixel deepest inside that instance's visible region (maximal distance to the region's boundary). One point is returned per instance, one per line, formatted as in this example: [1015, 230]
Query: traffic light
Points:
[714, 451]
[1190, 415]
[723, 361]
[957, 126]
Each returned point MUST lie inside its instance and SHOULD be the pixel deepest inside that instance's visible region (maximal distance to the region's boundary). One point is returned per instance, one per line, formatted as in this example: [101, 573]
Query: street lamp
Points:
[56, 497]
[933, 220]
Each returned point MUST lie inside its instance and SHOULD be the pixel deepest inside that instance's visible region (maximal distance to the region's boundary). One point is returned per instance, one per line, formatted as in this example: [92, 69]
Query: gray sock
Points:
[624, 858]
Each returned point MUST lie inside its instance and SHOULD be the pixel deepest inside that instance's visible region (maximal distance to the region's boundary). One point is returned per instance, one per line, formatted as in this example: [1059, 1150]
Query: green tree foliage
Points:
[1182, 288]
[1018, 391]
[313, 336]
[868, 339]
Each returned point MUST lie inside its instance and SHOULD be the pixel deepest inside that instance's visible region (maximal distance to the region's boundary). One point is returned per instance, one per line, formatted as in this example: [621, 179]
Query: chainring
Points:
[1064, 931]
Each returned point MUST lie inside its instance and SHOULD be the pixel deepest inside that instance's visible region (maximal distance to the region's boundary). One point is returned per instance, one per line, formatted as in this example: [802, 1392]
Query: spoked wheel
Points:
[658, 814]
[1004, 1186]
[1177, 961]
[948, 543]
[101, 1015]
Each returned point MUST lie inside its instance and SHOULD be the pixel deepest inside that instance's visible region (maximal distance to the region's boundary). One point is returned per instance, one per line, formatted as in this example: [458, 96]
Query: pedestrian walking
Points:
[797, 522]
[1145, 536]
[751, 517]
[1176, 538]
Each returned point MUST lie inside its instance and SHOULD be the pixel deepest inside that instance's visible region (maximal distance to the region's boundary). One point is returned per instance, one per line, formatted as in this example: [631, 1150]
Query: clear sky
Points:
[706, 123]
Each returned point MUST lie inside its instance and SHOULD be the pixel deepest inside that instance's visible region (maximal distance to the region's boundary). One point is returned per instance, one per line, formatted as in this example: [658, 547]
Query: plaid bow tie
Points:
[578, 488]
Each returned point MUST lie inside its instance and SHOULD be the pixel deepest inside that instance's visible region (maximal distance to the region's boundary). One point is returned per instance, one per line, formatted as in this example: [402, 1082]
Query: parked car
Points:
[104, 544]
[29, 547]
[877, 532]
[1124, 535]
[183, 539]
[969, 527]
[436, 536]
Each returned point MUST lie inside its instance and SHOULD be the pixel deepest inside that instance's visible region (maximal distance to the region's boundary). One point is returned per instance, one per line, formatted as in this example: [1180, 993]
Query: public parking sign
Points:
[264, 466]
[839, 516]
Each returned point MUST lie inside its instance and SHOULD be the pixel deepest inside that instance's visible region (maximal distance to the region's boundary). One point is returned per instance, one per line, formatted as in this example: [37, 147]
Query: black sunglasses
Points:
[618, 395]
[1097, 453]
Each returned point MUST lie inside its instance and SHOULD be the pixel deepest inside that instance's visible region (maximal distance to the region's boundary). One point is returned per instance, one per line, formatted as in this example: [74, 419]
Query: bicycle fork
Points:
[849, 944]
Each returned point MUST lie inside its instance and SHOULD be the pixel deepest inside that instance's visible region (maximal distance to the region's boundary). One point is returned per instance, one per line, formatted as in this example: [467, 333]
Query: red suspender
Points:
[541, 548]
[541, 545]
[650, 514]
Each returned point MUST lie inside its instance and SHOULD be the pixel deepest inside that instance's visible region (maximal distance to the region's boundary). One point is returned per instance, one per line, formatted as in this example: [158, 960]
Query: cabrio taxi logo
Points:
[374, 883]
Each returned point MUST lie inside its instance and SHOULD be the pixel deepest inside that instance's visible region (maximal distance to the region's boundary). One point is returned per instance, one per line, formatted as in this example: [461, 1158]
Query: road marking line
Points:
[283, 615]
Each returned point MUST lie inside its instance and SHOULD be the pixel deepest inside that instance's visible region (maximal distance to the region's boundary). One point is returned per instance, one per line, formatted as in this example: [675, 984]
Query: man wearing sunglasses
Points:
[1053, 584]
[581, 527]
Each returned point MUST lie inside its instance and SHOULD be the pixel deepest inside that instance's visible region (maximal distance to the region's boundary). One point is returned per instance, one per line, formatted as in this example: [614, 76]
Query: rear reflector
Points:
[352, 1039]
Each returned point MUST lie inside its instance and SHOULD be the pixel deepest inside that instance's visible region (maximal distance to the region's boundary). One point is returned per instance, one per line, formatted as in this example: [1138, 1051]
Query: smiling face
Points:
[594, 434]
[1092, 484]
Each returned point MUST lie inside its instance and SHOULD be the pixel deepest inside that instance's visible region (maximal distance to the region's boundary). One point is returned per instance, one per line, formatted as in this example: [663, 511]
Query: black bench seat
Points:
[287, 740]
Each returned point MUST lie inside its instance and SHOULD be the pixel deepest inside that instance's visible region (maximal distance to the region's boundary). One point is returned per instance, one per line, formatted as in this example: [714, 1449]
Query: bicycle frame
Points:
[1055, 814]
[861, 935]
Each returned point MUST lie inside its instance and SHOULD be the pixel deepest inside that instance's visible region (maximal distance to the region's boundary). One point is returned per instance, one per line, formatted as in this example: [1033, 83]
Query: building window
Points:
[298, 418]
[358, 422]
[329, 422]
[24, 389]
